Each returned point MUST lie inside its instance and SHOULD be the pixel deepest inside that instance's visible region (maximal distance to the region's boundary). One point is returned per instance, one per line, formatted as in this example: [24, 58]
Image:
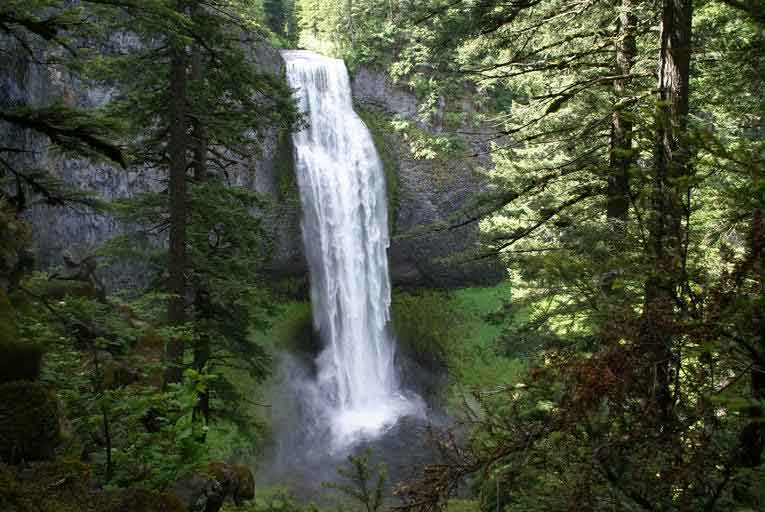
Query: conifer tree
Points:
[207, 104]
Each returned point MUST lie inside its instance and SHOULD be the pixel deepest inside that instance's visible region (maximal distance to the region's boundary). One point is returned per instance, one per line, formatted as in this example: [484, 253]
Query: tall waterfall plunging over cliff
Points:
[345, 234]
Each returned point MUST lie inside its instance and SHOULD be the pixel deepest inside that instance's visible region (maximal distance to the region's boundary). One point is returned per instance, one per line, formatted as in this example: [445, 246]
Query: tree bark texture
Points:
[177, 147]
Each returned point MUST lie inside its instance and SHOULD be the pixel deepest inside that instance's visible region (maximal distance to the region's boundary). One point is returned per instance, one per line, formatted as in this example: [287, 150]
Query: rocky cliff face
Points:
[79, 231]
[422, 196]
[23, 82]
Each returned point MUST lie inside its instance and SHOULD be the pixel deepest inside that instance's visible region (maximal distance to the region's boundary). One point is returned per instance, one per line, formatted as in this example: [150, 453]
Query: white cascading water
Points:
[345, 234]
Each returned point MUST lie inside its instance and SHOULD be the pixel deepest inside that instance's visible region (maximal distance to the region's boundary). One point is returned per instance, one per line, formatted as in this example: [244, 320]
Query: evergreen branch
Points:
[71, 129]
[55, 191]
[524, 232]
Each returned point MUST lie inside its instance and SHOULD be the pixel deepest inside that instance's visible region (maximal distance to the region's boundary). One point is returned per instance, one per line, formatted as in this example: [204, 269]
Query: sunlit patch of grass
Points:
[459, 330]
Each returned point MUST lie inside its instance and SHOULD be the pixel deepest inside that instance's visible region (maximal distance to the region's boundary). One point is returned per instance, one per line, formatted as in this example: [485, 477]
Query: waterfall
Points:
[345, 235]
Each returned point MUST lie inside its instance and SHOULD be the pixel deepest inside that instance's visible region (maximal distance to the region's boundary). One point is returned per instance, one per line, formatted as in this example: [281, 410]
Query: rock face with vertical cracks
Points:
[425, 193]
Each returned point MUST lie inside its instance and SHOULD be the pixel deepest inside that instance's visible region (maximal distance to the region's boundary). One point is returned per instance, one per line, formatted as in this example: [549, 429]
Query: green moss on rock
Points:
[293, 330]
[29, 422]
[57, 486]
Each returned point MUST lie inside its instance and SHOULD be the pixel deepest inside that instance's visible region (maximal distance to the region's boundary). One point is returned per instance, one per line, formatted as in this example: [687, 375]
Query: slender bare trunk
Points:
[98, 386]
[177, 146]
[201, 296]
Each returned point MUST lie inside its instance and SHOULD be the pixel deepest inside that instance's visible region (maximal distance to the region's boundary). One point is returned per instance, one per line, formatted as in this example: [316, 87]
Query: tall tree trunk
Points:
[620, 154]
[177, 146]
[671, 169]
[621, 158]
[200, 133]
[752, 437]
[201, 296]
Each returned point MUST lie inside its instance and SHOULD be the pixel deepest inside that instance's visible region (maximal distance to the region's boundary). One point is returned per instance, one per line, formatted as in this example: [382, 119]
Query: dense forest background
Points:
[620, 365]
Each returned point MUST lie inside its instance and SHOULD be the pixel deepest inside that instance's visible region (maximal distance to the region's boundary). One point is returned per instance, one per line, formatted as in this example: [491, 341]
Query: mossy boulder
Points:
[236, 480]
[29, 422]
[59, 486]
[199, 492]
[245, 484]
[20, 360]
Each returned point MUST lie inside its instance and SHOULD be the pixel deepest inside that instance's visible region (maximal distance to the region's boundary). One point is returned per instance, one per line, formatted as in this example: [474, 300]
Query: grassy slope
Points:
[456, 330]
[476, 363]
